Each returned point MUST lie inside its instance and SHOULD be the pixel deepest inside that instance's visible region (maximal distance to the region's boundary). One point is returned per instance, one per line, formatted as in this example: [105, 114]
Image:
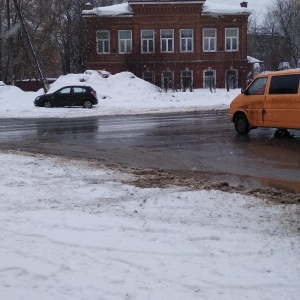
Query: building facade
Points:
[172, 44]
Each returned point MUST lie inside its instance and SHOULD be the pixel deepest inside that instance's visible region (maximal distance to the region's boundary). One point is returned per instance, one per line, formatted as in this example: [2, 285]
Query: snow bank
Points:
[122, 93]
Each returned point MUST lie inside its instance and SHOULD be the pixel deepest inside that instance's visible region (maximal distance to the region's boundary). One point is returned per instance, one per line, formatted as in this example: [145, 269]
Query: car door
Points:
[62, 97]
[77, 95]
[282, 104]
[254, 100]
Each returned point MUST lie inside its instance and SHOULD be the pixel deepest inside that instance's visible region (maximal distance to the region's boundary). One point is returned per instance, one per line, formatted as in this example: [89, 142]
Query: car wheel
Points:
[241, 124]
[87, 104]
[47, 104]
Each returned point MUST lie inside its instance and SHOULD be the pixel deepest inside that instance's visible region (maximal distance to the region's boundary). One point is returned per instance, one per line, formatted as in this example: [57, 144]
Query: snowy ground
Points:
[74, 230]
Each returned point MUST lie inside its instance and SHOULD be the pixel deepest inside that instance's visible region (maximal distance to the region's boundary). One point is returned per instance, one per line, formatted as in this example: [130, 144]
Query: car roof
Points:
[72, 86]
[283, 72]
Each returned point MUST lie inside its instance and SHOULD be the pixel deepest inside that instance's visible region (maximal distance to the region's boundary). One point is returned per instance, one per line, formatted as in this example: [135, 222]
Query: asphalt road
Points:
[203, 143]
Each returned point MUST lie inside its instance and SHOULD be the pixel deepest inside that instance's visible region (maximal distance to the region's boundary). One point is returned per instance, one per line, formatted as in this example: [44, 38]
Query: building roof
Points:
[222, 7]
[210, 7]
[112, 10]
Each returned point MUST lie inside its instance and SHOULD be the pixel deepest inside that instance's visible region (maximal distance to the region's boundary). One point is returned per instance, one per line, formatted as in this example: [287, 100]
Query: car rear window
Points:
[285, 84]
[78, 90]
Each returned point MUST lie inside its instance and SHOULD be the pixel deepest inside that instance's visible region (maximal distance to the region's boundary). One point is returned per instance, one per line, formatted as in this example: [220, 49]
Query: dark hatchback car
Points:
[69, 96]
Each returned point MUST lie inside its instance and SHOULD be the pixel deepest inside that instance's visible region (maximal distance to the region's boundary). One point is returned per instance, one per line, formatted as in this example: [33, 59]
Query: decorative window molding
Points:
[209, 79]
[167, 80]
[186, 80]
[149, 76]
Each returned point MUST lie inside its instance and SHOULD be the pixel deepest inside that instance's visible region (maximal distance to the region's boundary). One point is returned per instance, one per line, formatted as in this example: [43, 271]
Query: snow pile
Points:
[122, 93]
[73, 231]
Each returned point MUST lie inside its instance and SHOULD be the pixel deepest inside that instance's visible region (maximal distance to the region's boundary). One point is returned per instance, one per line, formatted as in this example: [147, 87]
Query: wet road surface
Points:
[203, 143]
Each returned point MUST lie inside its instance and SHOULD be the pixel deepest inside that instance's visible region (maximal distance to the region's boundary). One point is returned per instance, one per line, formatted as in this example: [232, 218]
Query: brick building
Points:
[180, 44]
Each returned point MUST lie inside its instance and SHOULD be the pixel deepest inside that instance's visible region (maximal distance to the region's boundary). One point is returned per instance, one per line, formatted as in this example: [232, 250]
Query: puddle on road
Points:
[289, 187]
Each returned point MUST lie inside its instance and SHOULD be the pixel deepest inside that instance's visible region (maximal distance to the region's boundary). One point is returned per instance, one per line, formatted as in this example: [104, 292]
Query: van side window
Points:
[258, 86]
[285, 84]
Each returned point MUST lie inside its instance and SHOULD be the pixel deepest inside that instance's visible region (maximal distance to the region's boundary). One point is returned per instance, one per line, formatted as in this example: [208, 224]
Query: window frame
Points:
[214, 38]
[186, 39]
[125, 40]
[231, 49]
[166, 40]
[103, 41]
[147, 41]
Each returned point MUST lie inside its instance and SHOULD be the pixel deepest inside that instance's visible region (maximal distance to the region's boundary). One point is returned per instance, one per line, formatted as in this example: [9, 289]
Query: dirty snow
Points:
[73, 230]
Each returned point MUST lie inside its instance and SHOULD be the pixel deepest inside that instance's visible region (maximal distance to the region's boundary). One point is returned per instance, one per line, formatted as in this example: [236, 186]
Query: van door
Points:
[282, 104]
[254, 101]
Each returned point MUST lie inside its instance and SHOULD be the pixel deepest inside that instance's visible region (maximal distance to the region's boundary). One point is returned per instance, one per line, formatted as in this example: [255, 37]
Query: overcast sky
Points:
[259, 6]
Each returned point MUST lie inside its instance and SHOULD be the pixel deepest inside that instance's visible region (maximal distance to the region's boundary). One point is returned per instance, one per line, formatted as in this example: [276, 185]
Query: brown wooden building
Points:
[181, 44]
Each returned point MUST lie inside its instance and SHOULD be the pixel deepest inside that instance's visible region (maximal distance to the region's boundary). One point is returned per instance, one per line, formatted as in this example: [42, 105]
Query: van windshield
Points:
[258, 86]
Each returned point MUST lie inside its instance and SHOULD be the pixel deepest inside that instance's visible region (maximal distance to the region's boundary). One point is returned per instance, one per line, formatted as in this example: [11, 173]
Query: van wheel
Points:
[282, 133]
[241, 124]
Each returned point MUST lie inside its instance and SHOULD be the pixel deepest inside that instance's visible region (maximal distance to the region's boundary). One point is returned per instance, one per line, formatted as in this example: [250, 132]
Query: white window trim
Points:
[215, 40]
[237, 42]
[180, 39]
[161, 39]
[147, 40]
[97, 41]
[119, 42]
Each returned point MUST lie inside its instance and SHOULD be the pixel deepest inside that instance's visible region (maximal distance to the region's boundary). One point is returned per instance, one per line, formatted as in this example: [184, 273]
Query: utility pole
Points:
[42, 78]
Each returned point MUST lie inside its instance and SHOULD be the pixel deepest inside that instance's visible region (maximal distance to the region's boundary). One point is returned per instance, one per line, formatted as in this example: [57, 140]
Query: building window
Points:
[167, 40]
[102, 41]
[125, 41]
[231, 79]
[187, 80]
[231, 39]
[149, 76]
[167, 80]
[209, 79]
[147, 42]
[209, 39]
[186, 40]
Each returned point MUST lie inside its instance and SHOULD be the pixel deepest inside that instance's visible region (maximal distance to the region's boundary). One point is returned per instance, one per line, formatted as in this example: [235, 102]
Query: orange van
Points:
[271, 100]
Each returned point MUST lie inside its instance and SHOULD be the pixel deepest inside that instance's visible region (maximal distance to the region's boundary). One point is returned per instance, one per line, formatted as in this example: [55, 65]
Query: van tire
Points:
[241, 124]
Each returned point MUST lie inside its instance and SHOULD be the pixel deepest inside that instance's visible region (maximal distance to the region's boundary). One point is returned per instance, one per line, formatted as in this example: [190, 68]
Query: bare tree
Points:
[277, 39]
[286, 15]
